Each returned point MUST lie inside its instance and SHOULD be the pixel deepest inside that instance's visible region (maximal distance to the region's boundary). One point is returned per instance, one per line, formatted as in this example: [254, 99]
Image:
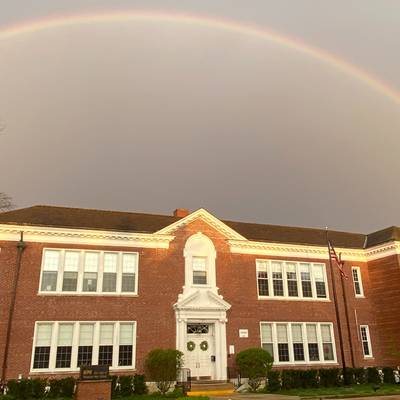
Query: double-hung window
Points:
[64, 345]
[85, 347]
[312, 338]
[125, 344]
[298, 345]
[262, 279]
[319, 277]
[41, 356]
[267, 342]
[110, 272]
[291, 280]
[51, 266]
[283, 342]
[199, 265]
[291, 273]
[71, 268]
[299, 342]
[277, 279]
[106, 344]
[358, 286]
[89, 272]
[366, 341]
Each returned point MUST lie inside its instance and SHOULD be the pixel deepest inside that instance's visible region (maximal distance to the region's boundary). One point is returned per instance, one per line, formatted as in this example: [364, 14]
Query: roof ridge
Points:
[88, 209]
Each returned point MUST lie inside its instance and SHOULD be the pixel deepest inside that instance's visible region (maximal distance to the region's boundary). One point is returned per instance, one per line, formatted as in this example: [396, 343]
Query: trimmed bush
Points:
[139, 384]
[350, 376]
[125, 388]
[329, 377]
[360, 375]
[114, 385]
[388, 375]
[274, 381]
[255, 364]
[62, 387]
[26, 388]
[162, 366]
[373, 375]
[309, 378]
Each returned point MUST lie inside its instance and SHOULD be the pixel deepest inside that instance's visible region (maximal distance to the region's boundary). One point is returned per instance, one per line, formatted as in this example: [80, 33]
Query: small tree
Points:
[254, 364]
[6, 203]
[162, 366]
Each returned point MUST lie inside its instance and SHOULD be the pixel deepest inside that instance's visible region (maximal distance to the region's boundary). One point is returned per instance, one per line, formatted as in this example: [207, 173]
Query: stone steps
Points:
[211, 388]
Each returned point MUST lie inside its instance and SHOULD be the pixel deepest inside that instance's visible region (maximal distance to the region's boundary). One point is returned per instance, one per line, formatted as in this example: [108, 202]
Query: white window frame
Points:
[271, 296]
[366, 327]
[75, 345]
[358, 269]
[305, 343]
[79, 291]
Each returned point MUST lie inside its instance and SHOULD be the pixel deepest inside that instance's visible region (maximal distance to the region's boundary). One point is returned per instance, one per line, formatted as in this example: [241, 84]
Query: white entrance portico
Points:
[201, 313]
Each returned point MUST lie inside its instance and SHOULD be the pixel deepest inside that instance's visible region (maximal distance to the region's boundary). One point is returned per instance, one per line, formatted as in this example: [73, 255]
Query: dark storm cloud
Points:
[150, 117]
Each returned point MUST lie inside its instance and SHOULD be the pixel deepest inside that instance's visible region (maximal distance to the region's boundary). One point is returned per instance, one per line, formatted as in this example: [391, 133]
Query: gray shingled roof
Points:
[80, 218]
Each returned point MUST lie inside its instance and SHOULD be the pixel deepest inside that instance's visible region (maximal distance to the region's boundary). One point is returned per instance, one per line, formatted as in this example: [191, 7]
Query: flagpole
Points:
[345, 380]
[346, 311]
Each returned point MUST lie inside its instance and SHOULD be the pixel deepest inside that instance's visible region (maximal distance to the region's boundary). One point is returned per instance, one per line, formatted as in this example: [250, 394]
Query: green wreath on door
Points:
[190, 345]
[204, 345]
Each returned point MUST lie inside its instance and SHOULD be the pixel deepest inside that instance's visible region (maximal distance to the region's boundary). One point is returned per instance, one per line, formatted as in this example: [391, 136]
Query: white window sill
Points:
[305, 363]
[369, 357]
[105, 294]
[74, 370]
[359, 296]
[283, 298]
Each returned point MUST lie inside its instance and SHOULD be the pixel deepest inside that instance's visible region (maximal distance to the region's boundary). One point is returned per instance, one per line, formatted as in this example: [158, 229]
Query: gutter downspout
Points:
[20, 249]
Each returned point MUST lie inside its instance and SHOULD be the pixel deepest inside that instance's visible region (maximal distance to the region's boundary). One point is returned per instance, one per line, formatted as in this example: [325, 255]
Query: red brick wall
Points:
[98, 390]
[161, 277]
[385, 291]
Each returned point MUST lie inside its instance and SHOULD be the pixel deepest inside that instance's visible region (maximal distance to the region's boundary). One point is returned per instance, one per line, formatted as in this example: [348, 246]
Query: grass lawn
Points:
[352, 391]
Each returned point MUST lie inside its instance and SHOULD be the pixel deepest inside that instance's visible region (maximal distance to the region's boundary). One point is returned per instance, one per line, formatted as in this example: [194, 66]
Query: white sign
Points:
[243, 333]
[231, 349]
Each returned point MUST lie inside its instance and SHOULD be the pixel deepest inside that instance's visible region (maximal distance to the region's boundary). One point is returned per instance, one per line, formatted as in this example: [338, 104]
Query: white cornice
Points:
[296, 251]
[383, 250]
[207, 217]
[84, 237]
[313, 252]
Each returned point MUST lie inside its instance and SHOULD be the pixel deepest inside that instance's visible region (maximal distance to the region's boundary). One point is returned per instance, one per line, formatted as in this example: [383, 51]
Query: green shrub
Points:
[254, 364]
[274, 381]
[19, 389]
[114, 385]
[126, 388]
[360, 375]
[289, 379]
[388, 376]
[139, 384]
[329, 377]
[350, 376]
[373, 375]
[38, 388]
[309, 378]
[62, 387]
[162, 366]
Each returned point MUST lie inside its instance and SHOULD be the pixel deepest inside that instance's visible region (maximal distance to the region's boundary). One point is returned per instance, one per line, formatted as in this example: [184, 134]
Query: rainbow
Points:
[206, 21]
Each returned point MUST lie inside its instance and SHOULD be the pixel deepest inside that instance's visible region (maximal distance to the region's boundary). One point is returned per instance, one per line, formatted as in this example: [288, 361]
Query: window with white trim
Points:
[299, 342]
[358, 286]
[291, 280]
[199, 266]
[366, 341]
[89, 272]
[65, 346]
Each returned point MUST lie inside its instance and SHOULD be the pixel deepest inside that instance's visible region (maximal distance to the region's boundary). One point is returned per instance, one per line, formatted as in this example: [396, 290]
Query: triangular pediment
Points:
[207, 217]
[202, 300]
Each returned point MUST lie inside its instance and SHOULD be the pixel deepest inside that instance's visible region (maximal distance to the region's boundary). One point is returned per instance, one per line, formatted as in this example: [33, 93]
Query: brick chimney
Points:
[181, 212]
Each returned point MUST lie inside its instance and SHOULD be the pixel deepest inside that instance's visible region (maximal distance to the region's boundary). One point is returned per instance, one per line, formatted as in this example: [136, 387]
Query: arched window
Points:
[200, 257]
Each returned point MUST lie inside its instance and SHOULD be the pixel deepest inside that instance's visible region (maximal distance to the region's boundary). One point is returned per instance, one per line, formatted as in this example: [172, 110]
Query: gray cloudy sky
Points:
[145, 116]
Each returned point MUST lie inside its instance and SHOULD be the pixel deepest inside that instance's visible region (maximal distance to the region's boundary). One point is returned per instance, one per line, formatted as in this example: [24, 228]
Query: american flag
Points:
[337, 259]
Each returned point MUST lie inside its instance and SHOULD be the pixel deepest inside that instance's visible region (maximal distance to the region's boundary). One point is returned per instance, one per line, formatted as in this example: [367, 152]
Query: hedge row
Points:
[327, 377]
[24, 389]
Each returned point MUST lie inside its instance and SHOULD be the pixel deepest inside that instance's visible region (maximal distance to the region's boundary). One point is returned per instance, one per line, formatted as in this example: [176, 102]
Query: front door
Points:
[200, 350]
